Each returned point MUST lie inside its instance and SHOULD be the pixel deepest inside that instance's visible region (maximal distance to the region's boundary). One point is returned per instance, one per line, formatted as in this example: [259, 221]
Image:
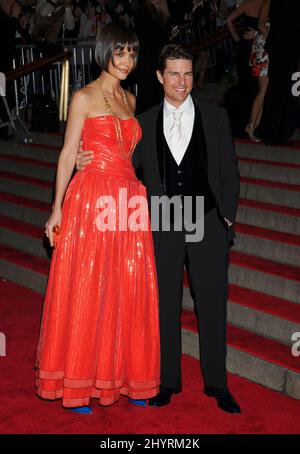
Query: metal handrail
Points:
[28, 69]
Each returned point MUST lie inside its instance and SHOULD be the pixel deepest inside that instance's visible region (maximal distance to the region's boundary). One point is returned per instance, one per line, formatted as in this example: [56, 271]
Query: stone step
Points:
[269, 244]
[288, 154]
[24, 209]
[266, 276]
[270, 170]
[24, 237]
[28, 167]
[32, 188]
[261, 360]
[40, 152]
[23, 268]
[269, 216]
[270, 191]
[262, 314]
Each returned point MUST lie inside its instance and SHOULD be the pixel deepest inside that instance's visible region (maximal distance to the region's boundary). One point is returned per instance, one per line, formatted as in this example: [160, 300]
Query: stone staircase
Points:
[264, 301]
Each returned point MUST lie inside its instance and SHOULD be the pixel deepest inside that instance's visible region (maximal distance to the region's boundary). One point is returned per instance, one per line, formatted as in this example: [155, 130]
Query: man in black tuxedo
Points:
[187, 150]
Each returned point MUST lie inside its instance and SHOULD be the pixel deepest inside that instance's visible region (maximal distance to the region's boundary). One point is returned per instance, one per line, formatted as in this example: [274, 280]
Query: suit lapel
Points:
[206, 128]
[151, 145]
[160, 143]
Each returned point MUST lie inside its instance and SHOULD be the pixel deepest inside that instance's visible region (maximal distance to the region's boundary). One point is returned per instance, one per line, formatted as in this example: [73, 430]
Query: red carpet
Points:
[264, 411]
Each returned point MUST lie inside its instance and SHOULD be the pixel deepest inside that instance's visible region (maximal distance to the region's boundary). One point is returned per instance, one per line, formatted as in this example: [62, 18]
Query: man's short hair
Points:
[173, 52]
[111, 38]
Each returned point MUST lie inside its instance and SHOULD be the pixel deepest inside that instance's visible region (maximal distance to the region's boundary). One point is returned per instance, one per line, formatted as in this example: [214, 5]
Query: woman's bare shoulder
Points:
[81, 96]
[79, 102]
[91, 97]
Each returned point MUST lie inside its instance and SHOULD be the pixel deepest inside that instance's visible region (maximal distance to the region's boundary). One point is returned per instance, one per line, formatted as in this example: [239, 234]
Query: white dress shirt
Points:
[187, 124]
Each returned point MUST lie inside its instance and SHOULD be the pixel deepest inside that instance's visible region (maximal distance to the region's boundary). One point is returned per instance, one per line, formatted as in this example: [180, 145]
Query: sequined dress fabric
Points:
[99, 336]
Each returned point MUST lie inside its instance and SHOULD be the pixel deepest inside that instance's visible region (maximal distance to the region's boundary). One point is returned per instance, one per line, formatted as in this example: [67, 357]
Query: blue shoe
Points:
[82, 410]
[139, 403]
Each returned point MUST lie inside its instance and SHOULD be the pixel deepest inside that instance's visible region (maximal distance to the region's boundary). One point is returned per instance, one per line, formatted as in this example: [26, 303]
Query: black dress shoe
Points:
[163, 398]
[224, 399]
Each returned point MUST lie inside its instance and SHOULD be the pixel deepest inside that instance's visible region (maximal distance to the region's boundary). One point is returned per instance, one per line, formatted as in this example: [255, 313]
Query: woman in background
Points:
[259, 60]
[240, 97]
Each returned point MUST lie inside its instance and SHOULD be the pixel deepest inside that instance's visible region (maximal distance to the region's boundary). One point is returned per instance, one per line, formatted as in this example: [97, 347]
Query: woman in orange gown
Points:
[99, 335]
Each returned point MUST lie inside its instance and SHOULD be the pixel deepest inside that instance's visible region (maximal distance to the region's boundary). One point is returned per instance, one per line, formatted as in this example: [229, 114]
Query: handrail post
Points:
[64, 91]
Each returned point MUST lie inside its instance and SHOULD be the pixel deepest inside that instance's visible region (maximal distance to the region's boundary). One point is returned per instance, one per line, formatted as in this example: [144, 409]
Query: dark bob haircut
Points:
[173, 52]
[112, 38]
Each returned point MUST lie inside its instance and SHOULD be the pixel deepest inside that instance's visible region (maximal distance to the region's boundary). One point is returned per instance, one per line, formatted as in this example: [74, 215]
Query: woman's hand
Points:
[55, 219]
[250, 33]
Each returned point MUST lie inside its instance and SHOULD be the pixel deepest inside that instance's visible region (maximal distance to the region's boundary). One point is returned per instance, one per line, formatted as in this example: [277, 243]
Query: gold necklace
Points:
[135, 135]
[118, 128]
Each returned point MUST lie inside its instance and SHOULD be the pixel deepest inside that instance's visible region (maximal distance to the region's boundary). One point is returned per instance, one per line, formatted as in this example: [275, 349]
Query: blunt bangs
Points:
[112, 38]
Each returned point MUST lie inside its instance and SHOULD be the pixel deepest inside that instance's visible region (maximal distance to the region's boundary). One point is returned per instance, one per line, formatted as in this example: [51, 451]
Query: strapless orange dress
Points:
[99, 336]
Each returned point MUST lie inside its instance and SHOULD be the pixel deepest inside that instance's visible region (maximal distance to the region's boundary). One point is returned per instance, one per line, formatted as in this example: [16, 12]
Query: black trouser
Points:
[207, 264]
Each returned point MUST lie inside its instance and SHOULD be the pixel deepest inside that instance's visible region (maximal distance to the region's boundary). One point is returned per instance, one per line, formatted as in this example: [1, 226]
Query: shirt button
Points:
[179, 183]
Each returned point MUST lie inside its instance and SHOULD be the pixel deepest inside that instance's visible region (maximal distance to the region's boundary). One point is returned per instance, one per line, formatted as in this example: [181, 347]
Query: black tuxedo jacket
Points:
[222, 168]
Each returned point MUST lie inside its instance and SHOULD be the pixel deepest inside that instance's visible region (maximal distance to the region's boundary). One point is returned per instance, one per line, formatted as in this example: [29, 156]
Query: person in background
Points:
[49, 18]
[259, 60]
[202, 17]
[103, 16]
[249, 10]
[88, 20]
[239, 99]
[77, 12]
[23, 29]
[122, 14]
[9, 14]
[281, 109]
[153, 27]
